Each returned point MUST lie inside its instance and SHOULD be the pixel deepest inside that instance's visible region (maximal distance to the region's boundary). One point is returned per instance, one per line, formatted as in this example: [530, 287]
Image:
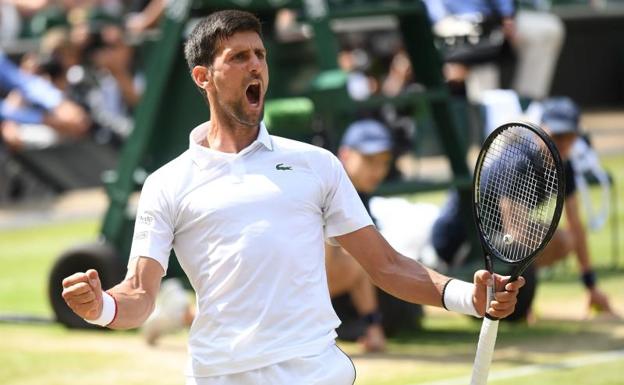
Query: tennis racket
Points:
[518, 193]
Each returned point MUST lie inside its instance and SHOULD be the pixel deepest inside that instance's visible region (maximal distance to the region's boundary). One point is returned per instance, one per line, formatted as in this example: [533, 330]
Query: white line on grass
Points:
[571, 363]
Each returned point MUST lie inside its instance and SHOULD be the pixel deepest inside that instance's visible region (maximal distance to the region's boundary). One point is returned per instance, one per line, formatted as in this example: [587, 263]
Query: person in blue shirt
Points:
[474, 18]
[43, 103]
[439, 9]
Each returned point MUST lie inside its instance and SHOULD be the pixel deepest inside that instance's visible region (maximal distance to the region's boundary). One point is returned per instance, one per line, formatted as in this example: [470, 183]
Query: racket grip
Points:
[485, 350]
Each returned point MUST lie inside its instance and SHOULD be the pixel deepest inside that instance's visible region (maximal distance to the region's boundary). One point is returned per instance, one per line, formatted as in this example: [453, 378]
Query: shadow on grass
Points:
[517, 343]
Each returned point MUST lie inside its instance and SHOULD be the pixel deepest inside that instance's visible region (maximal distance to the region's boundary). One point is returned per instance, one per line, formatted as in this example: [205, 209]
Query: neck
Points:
[227, 136]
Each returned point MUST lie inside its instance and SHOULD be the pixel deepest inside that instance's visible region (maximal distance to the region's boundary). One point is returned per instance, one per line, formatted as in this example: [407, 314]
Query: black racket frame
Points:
[488, 249]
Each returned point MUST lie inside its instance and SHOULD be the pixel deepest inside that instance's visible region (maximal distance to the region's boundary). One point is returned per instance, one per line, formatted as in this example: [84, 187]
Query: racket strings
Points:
[517, 193]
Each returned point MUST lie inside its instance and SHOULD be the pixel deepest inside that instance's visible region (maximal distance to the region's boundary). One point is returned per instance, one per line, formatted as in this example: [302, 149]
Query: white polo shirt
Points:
[248, 230]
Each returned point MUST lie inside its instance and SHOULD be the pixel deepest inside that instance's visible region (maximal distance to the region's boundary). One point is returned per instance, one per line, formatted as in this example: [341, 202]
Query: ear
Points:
[202, 76]
[343, 153]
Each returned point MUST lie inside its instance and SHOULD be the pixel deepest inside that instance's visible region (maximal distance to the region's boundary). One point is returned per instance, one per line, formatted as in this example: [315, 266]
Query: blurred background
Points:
[95, 95]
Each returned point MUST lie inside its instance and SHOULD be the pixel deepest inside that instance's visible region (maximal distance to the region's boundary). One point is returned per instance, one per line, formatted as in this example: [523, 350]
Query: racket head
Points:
[518, 193]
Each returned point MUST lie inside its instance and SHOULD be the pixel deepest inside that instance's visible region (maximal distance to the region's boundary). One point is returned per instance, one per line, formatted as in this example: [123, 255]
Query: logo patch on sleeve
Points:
[145, 220]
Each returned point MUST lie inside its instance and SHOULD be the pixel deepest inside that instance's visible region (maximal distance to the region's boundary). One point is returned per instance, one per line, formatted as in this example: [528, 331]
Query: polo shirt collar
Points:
[204, 156]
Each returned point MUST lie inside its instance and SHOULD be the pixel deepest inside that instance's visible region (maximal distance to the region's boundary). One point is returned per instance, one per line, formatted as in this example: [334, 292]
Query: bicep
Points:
[368, 247]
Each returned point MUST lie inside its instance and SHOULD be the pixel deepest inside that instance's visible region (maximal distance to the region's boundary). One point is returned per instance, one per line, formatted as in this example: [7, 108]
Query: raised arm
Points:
[132, 300]
[409, 280]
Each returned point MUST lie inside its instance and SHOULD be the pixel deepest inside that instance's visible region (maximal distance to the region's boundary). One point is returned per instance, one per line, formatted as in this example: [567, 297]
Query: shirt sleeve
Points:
[436, 10]
[25, 115]
[153, 229]
[35, 89]
[505, 8]
[343, 210]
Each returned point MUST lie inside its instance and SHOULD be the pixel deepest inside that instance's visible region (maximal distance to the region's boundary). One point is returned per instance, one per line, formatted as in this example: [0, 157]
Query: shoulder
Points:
[312, 153]
[285, 144]
[171, 175]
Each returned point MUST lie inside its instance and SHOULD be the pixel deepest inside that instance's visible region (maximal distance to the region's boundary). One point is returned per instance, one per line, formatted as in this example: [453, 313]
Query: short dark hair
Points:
[203, 43]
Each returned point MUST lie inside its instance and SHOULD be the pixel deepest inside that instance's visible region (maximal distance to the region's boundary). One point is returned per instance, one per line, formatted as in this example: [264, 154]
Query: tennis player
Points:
[247, 214]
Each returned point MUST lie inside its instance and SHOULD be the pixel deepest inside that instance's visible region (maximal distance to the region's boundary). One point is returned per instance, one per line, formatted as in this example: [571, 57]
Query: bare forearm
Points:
[134, 305]
[577, 229]
[581, 250]
[152, 12]
[136, 294]
[128, 90]
[411, 281]
[392, 272]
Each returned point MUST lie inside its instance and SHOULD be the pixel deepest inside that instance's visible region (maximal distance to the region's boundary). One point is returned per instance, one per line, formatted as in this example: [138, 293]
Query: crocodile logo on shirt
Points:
[282, 167]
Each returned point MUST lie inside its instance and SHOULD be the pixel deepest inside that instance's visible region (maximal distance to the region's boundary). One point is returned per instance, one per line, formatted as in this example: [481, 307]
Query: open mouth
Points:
[253, 94]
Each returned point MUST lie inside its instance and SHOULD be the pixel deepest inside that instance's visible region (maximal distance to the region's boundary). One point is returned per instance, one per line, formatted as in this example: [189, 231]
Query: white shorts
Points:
[331, 367]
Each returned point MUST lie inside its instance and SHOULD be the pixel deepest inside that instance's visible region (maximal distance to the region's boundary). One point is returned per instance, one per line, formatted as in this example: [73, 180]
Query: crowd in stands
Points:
[83, 59]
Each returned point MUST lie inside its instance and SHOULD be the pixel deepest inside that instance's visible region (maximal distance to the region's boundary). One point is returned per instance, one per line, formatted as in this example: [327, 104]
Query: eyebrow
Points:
[236, 51]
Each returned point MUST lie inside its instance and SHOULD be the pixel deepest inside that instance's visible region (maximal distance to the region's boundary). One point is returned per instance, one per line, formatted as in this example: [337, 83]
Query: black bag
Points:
[482, 42]
[486, 44]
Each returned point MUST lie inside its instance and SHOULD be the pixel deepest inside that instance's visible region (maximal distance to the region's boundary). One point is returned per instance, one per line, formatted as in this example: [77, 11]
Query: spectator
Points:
[535, 36]
[538, 41]
[104, 80]
[148, 17]
[464, 18]
[399, 74]
[36, 101]
[360, 84]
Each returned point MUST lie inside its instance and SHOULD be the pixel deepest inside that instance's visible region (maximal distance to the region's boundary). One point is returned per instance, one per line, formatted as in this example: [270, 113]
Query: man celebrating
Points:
[246, 214]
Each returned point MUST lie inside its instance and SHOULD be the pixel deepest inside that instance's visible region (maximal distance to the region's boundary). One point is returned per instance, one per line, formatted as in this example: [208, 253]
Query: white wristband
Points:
[457, 297]
[109, 311]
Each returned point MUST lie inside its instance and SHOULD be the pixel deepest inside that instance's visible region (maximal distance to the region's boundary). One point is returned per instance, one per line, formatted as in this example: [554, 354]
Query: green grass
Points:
[600, 374]
[53, 355]
[444, 349]
[27, 257]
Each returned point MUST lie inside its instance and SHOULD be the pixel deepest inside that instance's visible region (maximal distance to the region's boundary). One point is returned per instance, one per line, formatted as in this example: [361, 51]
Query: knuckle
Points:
[83, 308]
[86, 298]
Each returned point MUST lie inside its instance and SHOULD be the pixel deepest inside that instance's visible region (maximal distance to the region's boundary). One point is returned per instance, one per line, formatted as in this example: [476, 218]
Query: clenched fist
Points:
[83, 294]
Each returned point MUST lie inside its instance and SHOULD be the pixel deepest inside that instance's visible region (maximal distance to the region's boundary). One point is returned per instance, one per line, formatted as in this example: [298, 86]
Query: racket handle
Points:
[485, 350]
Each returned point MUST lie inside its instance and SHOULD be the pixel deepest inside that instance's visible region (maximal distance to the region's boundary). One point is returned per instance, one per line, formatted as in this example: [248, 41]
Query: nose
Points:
[255, 64]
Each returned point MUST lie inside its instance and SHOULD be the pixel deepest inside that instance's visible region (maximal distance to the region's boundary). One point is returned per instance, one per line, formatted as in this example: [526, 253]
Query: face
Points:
[366, 171]
[237, 80]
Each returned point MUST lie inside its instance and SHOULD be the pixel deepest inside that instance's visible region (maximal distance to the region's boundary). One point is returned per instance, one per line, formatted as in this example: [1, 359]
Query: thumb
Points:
[94, 280]
[482, 278]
